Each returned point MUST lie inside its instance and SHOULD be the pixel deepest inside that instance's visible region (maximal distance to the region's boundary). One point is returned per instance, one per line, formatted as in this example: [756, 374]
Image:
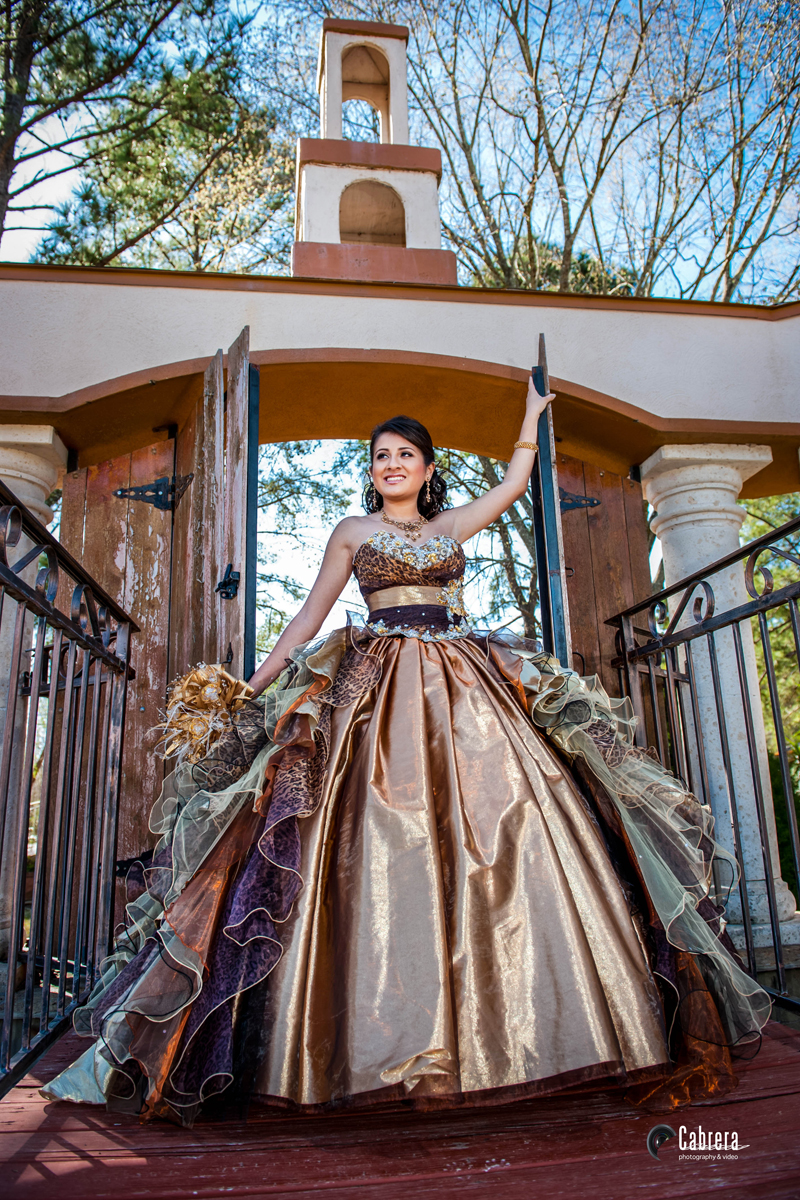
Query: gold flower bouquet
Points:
[200, 707]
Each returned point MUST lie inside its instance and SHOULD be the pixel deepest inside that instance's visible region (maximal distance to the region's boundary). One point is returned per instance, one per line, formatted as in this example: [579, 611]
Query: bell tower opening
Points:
[372, 212]
[365, 76]
[361, 122]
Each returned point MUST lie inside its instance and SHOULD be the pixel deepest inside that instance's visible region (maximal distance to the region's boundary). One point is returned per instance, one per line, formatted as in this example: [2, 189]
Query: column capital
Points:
[31, 459]
[697, 487]
[745, 460]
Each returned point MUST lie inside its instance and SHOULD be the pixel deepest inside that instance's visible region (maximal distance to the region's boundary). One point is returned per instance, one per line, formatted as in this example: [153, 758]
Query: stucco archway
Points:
[334, 392]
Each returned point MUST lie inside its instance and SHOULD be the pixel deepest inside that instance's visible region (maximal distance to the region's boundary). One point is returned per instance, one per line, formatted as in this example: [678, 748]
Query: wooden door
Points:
[605, 558]
[126, 546]
[236, 619]
[212, 609]
[161, 552]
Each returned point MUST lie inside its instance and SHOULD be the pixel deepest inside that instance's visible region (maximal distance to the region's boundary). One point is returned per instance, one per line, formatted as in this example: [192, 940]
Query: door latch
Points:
[228, 586]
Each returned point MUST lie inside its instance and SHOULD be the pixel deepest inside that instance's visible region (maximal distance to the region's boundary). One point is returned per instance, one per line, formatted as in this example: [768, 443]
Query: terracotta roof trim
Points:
[339, 152]
[367, 28]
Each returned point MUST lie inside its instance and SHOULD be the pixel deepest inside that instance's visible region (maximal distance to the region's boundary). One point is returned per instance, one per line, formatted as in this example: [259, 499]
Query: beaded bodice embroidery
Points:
[385, 560]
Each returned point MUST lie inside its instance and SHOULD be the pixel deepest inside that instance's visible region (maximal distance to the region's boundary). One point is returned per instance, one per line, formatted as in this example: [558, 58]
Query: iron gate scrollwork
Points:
[670, 647]
[64, 671]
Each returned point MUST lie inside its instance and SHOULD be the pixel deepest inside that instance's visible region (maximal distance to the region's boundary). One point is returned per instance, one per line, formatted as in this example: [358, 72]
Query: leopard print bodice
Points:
[386, 560]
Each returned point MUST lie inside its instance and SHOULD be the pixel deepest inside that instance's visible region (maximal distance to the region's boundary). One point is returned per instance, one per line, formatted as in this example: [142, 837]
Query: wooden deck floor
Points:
[584, 1145]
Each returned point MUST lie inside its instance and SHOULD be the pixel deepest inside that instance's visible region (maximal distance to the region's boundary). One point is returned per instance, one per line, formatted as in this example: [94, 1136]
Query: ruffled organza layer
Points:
[205, 931]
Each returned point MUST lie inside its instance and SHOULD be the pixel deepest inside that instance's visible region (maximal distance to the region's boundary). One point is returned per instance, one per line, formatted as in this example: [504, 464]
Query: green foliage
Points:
[151, 102]
[186, 197]
[788, 872]
[764, 516]
[770, 513]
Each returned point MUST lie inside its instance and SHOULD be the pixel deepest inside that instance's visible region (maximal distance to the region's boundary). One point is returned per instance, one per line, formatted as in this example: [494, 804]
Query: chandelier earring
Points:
[427, 491]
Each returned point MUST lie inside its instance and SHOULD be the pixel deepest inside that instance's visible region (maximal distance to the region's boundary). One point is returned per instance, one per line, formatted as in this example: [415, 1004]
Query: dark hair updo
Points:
[417, 435]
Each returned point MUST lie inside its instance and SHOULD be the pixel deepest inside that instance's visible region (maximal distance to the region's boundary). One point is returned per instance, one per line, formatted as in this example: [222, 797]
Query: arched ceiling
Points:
[328, 392]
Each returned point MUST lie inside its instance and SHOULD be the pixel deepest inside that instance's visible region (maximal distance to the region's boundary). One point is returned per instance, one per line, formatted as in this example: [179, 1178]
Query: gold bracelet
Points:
[525, 446]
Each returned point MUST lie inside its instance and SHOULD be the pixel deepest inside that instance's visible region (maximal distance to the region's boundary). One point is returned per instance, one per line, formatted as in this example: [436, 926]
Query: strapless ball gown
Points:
[428, 867]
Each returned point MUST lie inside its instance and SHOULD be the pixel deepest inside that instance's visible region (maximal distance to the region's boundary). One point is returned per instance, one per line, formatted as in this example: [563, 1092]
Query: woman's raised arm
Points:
[470, 518]
[337, 564]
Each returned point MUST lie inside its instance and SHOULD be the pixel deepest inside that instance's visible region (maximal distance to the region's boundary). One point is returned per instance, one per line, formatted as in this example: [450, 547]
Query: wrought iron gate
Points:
[64, 670]
[698, 715]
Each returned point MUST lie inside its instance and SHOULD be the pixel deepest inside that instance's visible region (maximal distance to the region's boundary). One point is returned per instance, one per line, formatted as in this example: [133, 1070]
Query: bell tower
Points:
[367, 210]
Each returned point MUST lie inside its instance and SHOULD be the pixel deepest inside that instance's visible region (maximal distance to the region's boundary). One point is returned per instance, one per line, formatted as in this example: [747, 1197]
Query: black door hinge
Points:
[568, 501]
[228, 586]
[163, 494]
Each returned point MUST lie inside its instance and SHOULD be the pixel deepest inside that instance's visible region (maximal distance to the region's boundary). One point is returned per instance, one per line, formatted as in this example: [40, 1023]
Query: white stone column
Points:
[694, 490]
[32, 458]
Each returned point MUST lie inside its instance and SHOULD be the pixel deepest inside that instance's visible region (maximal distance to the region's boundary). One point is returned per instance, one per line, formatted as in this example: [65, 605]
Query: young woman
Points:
[428, 865]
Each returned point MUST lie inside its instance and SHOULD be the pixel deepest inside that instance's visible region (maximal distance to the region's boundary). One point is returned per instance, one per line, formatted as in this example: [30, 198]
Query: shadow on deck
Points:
[590, 1145]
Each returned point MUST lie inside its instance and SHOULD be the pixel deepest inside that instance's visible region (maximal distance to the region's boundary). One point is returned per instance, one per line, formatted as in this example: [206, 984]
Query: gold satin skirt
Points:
[461, 928]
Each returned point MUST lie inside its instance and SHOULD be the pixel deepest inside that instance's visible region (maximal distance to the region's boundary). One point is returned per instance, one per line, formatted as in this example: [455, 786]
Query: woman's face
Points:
[398, 468]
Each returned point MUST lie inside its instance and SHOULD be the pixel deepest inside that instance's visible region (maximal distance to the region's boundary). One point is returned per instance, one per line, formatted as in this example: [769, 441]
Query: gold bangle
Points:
[525, 446]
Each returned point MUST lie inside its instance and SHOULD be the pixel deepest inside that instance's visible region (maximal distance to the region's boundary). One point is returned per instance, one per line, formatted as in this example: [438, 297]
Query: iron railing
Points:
[64, 670]
[696, 677]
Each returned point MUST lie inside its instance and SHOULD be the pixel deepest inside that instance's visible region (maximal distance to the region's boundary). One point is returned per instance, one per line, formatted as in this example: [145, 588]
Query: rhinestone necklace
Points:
[411, 529]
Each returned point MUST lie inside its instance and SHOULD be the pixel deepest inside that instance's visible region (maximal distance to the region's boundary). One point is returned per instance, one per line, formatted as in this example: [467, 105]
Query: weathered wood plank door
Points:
[236, 621]
[126, 545]
[196, 541]
[606, 561]
[214, 569]
[163, 560]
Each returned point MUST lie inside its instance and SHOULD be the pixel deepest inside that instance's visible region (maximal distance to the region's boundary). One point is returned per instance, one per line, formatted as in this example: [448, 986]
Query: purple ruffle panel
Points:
[248, 944]
[244, 950]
